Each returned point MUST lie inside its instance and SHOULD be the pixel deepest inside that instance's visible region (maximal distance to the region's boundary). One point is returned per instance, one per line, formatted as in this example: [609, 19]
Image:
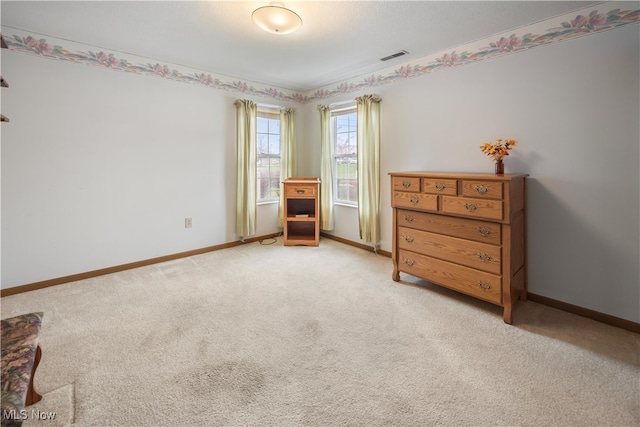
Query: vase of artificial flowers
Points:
[497, 152]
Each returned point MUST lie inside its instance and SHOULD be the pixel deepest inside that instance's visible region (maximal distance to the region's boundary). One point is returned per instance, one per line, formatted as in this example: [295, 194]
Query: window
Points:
[268, 158]
[344, 135]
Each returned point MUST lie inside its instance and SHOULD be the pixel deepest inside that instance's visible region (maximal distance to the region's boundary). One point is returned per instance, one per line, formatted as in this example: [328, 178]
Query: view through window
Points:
[344, 134]
[268, 159]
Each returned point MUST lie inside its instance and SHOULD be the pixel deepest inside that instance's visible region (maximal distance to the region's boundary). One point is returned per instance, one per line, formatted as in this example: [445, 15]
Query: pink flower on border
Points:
[242, 87]
[108, 60]
[507, 44]
[503, 43]
[371, 80]
[405, 71]
[344, 88]
[597, 19]
[44, 46]
[579, 22]
[449, 60]
[30, 42]
[206, 79]
[319, 93]
[102, 58]
[162, 70]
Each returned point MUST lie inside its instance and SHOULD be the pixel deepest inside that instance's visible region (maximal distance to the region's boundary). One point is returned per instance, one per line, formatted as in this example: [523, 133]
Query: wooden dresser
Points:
[301, 211]
[466, 232]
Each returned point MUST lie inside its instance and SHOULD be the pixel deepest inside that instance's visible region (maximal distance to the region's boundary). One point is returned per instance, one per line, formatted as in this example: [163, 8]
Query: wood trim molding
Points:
[355, 244]
[585, 312]
[570, 308]
[95, 273]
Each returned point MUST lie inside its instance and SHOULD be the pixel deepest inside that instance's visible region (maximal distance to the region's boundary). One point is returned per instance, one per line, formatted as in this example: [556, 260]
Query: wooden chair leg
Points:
[32, 395]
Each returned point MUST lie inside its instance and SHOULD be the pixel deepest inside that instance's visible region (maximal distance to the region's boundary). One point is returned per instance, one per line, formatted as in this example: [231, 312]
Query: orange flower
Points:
[498, 150]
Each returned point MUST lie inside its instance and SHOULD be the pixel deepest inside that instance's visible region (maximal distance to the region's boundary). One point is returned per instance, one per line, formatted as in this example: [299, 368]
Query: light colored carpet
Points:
[55, 409]
[289, 336]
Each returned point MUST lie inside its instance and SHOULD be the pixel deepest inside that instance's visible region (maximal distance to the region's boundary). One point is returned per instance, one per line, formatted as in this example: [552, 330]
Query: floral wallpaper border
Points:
[587, 21]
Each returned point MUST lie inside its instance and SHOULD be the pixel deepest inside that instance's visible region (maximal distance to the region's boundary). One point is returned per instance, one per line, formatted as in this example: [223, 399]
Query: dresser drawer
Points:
[404, 183]
[472, 254]
[467, 280]
[440, 186]
[403, 199]
[483, 189]
[477, 208]
[480, 231]
[300, 191]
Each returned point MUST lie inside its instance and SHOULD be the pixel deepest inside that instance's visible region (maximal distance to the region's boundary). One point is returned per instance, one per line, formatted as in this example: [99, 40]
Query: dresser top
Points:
[463, 175]
[302, 180]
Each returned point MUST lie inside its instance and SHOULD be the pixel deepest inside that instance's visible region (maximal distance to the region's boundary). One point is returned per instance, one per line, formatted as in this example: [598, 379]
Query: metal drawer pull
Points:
[300, 191]
[409, 262]
[440, 186]
[484, 285]
[406, 184]
[470, 207]
[484, 231]
[414, 200]
[481, 188]
[408, 239]
[484, 257]
[408, 218]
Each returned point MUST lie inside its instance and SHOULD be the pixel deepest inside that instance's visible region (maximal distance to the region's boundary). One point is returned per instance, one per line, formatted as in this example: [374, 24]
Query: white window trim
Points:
[268, 112]
[346, 204]
[342, 108]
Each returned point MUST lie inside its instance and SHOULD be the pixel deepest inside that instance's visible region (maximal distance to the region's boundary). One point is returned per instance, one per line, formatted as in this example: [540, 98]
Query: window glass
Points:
[345, 147]
[268, 168]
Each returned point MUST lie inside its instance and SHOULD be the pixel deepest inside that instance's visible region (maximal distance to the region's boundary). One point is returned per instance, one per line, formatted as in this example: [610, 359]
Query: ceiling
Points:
[338, 39]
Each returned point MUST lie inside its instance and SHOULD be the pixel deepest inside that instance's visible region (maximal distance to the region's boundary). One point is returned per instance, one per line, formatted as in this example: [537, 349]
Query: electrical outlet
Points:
[187, 223]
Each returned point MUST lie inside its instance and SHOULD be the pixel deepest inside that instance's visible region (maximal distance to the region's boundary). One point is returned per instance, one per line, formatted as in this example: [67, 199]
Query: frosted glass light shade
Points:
[276, 19]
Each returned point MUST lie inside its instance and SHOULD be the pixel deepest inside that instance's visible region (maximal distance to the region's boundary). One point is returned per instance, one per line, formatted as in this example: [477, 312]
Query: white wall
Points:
[574, 108]
[100, 168]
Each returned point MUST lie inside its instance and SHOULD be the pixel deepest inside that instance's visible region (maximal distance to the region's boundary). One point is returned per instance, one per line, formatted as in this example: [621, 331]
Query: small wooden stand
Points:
[301, 211]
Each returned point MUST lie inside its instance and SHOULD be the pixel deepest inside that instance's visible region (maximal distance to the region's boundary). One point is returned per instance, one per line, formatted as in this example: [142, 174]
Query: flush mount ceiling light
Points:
[276, 18]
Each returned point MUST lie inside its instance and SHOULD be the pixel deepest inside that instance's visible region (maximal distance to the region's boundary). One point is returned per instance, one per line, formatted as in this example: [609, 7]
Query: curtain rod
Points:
[338, 104]
[279, 107]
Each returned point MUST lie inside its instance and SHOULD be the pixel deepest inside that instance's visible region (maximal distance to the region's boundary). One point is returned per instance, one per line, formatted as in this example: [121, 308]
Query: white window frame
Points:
[272, 114]
[341, 158]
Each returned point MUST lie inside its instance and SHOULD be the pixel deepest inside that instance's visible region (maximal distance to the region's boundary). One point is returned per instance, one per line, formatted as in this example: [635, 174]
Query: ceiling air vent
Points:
[395, 55]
